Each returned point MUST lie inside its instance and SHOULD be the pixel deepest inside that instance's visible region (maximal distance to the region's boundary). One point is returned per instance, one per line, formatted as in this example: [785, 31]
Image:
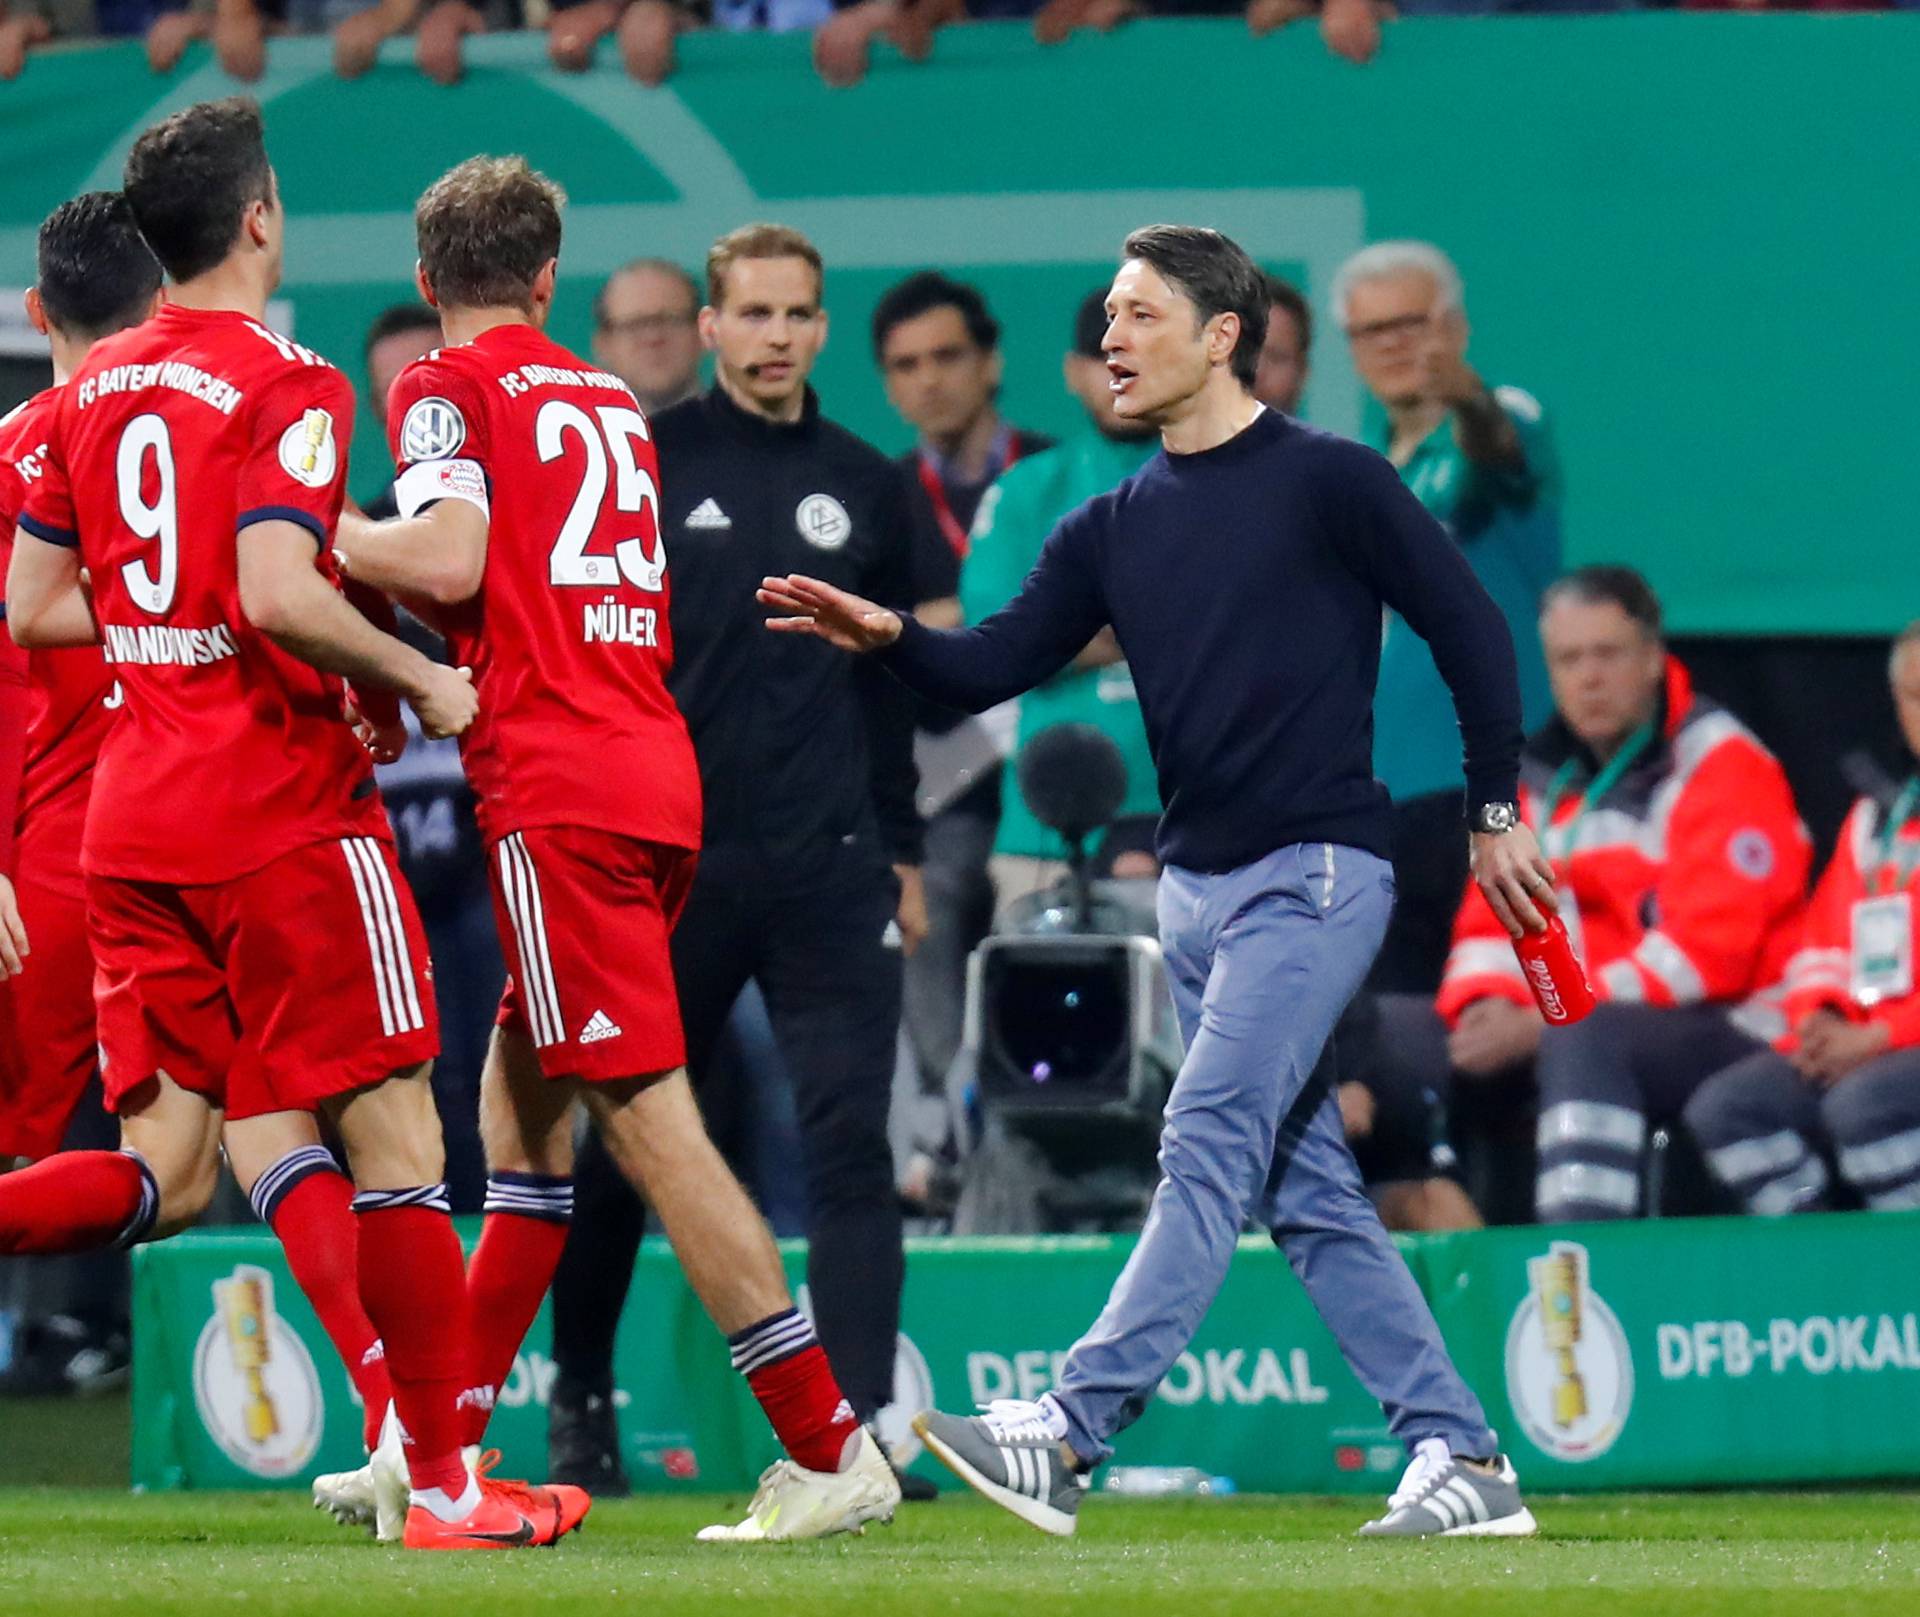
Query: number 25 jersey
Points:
[568, 636]
[171, 439]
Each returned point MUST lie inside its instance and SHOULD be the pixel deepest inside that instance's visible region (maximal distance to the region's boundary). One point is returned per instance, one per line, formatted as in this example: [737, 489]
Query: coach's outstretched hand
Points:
[807, 606]
[445, 702]
[1516, 879]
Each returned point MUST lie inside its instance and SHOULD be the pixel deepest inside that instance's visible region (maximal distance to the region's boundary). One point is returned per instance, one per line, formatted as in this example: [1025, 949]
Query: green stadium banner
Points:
[1660, 1354]
[1684, 234]
[1691, 1352]
[235, 1386]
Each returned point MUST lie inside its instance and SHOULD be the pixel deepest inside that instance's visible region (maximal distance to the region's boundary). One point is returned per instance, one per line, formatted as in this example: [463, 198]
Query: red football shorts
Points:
[53, 1045]
[306, 979]
[584, 919]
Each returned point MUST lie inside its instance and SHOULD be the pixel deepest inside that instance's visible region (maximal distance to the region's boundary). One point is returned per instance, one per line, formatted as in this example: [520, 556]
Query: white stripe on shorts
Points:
[387, 945]
[521, 885]
[380, 879]
[381, 982]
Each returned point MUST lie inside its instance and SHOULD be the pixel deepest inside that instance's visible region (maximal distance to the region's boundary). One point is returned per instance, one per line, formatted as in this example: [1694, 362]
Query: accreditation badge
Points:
[1882, 948]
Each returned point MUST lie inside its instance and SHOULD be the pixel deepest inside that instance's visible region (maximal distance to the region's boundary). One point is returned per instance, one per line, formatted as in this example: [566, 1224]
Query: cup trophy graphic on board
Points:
[246, 1312]
[254, 1382]
[1569, 1365]
[1559, 1282]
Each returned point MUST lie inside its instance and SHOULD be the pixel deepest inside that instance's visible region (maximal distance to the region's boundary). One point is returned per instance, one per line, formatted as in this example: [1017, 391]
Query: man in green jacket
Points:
[1480, 459]
[1014, 520]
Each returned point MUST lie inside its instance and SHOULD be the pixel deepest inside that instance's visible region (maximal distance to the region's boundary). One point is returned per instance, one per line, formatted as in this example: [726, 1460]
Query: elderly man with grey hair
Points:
[1481, 460]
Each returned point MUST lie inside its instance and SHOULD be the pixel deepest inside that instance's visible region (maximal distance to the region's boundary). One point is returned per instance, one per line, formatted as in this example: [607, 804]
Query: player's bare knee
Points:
[391, 1132]
[526, 1118]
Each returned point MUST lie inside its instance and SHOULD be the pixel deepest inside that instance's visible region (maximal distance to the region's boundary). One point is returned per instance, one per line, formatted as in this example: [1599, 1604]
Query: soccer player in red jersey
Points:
[529, 528]
[255, 952]
[97, 276]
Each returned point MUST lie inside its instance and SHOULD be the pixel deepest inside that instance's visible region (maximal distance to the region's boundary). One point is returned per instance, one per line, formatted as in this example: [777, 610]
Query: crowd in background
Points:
[1756, 1047]
[645, 31]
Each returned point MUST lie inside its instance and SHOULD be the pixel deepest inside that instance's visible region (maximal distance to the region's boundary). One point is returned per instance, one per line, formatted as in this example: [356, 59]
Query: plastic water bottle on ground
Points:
[1164, 1482]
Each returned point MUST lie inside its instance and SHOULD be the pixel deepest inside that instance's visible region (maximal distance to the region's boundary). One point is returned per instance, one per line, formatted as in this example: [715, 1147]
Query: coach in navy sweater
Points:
[1244, 570]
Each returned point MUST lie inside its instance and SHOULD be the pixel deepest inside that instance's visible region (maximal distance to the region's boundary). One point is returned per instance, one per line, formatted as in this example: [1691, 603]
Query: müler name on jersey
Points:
[615, 624]
[157, 643]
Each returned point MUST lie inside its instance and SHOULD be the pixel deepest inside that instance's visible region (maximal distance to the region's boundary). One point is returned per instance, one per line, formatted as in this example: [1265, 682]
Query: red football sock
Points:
[314, 1220]
[75, 1201]
[415, 1292]
[784, 1365]
[511, 1269]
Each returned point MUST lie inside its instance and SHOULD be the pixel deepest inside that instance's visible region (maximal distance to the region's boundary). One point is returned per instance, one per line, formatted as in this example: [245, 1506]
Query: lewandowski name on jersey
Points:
[175, 439]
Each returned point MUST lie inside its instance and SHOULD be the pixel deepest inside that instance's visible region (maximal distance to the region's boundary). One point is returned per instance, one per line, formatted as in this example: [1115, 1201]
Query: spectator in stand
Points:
[1681, 865]
[431, 807]
[938, 348]
[646, 330]
[1481, 460]
[1013, 522]
[1282, 376]
[1844, 1079]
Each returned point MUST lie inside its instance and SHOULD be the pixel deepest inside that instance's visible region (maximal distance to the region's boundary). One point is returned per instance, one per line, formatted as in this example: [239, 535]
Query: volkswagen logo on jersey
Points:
[308, 453]
[823, 522]
[433, 430]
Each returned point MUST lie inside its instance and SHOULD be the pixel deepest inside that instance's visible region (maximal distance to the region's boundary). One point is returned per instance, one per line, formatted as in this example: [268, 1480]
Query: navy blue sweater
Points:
[1245, 584]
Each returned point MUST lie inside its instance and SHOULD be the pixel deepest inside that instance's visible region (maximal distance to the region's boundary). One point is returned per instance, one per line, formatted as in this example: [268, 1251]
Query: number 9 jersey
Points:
[173, 438]
[568, 636]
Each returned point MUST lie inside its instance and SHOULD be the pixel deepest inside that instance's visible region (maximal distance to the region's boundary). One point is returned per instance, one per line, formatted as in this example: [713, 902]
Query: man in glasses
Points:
[645, 332]
[1481, 460]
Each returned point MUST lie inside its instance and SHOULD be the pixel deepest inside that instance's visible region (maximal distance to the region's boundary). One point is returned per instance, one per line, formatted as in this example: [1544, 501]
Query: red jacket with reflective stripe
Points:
[1820, 974]
[1684, 883]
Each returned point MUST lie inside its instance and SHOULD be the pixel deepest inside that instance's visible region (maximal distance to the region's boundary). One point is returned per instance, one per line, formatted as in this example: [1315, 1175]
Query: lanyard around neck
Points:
[1598, 787]
[1890, 874]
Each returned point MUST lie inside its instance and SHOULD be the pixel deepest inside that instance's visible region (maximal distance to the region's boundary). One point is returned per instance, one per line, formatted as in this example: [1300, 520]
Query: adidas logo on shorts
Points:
[707, 514]
[599, 1026]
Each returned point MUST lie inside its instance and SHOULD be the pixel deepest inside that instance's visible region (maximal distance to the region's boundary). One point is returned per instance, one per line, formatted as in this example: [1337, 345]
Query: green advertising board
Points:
[1694, 1352]
[1679, 232]
[1662, 1354]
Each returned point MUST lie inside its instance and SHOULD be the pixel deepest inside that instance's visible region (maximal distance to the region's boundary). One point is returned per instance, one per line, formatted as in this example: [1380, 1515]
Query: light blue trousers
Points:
[1263, 960]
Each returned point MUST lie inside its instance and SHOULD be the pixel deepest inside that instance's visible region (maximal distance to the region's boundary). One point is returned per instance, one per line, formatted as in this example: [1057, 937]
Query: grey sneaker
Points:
[1442, 1496]
[1008, 1454]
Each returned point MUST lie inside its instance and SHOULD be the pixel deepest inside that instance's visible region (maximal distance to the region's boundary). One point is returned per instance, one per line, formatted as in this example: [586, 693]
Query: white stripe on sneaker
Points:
[381, 983]
[1469, 1497]
[1450, 1514]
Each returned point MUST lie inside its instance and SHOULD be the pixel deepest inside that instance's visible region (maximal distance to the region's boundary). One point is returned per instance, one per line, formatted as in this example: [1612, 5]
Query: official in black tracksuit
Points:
[806, 764]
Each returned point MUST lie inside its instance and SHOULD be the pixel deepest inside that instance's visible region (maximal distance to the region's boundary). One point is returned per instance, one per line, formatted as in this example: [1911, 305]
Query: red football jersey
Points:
[568, 637]
[70, 698]
[174, 436]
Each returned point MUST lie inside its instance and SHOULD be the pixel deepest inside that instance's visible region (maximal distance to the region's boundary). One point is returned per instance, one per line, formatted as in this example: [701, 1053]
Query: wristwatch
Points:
[1492, 818]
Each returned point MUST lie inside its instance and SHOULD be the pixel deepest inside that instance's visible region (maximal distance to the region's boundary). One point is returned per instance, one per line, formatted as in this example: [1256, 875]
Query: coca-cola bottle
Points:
[1554, 973]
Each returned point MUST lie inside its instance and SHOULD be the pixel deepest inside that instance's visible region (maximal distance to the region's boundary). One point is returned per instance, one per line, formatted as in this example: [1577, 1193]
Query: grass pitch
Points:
[78, 1551]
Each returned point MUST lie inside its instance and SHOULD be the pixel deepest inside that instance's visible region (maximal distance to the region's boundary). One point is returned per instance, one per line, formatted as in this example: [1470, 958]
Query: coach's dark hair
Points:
[96, 272]
[1608, 584]
[1215, 272]
[399, 317]
[191, 178]
[1285, 295]
[486, 229]
[922, 293]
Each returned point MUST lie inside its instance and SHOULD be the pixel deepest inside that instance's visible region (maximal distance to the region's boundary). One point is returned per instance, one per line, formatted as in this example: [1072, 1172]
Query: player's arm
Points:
[289, 600]
[47, 602]
[438, 555]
